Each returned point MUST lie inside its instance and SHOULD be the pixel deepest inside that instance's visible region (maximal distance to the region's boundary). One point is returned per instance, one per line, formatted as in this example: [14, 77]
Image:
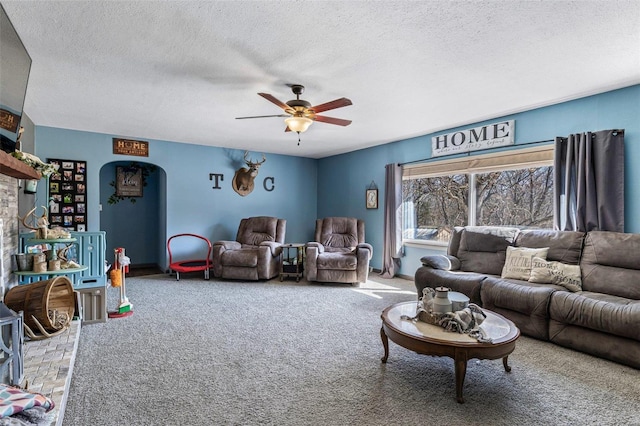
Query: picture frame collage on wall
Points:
[68, 195]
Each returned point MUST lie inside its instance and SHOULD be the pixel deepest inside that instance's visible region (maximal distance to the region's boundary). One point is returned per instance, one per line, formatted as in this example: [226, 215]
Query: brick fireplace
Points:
[10, 229]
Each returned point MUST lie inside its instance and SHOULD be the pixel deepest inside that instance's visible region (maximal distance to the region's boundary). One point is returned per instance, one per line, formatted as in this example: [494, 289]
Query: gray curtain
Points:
[589, 182]
[392, 249]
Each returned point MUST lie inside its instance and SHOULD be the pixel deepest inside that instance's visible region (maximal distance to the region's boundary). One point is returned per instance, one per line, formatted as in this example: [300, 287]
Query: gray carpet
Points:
[213, 352]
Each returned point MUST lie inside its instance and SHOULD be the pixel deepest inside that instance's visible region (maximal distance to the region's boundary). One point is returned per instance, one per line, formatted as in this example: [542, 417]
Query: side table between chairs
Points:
[292, 265]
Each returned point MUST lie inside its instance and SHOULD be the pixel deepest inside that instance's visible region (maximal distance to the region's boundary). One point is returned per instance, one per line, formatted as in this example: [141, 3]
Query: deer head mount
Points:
[244, 177]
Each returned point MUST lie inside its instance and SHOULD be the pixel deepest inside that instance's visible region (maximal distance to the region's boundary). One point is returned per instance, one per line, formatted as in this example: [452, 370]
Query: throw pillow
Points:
[441, 261]
[518, 262]
[568, 276]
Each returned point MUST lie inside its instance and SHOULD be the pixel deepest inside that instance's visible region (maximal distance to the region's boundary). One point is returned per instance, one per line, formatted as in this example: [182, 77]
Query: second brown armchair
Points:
[256, 252]
[339, 252]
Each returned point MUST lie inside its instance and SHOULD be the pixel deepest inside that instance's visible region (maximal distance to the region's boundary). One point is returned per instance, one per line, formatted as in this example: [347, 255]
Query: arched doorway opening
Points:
[137, 223]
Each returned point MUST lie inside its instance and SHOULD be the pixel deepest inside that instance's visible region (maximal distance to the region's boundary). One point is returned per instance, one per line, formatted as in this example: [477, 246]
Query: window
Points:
[510, 188]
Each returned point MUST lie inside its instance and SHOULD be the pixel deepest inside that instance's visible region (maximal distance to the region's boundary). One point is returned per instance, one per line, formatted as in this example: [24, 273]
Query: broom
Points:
[118, 280]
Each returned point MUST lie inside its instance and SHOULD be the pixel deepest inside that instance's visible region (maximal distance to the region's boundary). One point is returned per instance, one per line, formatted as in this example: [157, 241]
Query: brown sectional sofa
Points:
[603, 319]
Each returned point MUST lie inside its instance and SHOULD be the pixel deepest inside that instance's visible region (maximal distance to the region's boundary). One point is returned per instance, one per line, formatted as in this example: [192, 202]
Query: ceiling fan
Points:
[300, 114]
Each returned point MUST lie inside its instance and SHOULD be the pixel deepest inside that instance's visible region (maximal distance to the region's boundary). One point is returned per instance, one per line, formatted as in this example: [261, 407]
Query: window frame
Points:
[508, 159]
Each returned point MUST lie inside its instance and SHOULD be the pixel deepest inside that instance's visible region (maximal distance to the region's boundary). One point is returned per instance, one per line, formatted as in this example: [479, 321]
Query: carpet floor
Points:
[199, 352]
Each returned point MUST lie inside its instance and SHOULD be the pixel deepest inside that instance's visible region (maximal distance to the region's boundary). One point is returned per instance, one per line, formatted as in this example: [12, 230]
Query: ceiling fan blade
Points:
[287, 129]
[263, 116]
[271, 98]
[338, 103]
[332, 120]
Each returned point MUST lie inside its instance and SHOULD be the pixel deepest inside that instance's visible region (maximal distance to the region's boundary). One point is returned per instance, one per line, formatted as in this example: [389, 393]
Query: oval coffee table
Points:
[429, 339]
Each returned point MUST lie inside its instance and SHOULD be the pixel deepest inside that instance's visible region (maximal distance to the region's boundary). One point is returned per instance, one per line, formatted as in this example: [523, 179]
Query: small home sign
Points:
[483, 137]
[130, 147]
[9, 121]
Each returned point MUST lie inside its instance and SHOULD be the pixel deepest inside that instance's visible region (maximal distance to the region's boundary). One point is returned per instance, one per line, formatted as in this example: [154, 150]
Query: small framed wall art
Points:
[372, 196]
[129, 181]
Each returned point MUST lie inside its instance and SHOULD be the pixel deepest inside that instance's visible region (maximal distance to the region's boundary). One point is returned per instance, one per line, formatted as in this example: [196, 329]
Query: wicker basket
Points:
[51, 302]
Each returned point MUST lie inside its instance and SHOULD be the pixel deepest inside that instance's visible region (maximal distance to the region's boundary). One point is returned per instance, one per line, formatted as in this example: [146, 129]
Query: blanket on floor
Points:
[15, 400]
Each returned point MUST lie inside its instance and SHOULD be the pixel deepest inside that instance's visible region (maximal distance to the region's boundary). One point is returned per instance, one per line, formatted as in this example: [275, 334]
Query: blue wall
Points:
[192, 206]
[344, 178]
[306, 189]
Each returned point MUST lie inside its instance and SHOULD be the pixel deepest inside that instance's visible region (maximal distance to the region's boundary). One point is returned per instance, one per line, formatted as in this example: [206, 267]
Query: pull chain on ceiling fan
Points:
[300, 114]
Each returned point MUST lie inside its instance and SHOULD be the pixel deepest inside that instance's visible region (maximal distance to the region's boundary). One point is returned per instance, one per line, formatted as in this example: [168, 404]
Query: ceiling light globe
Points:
[298, 124]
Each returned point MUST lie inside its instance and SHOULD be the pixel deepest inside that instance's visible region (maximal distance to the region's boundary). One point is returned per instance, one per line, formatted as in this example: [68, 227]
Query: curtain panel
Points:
[589, 181]
[392, 248]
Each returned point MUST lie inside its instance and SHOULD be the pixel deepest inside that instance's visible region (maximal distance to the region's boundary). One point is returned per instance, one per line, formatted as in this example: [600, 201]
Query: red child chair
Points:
[190, 265]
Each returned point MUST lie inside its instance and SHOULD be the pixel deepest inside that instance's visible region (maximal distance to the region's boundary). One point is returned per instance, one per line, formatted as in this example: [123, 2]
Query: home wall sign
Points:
[129, 181]
[68, 195]
[483, 137]
[9, 121]
[130, 147]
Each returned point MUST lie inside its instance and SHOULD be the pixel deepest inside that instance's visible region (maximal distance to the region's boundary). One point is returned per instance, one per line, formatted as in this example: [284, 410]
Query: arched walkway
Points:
[136, 223]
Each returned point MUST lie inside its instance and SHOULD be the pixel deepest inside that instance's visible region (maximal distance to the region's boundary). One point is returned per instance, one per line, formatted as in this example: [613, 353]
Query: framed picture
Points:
[128, 181]
[372, 198]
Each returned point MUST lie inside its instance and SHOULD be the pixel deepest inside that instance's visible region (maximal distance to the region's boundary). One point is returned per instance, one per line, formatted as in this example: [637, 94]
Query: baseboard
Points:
[144, 265]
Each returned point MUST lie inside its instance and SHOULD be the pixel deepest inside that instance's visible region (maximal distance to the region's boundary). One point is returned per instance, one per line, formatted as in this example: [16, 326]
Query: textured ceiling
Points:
[182, 71]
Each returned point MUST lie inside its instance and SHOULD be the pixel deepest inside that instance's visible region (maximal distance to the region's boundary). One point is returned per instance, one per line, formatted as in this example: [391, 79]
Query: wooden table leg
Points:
[505, 362]
[385, 343]
[461, 371]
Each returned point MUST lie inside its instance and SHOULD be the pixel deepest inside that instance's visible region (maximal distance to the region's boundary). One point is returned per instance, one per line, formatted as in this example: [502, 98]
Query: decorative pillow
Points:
[441, 261]
[568, 276]
[518, 262]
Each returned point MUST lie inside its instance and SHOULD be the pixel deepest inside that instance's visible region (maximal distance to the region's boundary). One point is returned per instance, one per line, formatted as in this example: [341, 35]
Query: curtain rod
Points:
[468, 153]
[614, 131]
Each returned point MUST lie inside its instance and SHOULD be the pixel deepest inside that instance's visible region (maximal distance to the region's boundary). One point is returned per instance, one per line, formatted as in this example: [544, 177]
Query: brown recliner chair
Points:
[256, 253]
[339, 253]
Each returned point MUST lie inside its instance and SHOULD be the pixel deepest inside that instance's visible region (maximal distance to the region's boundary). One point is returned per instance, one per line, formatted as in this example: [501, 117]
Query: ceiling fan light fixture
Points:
[298, 124]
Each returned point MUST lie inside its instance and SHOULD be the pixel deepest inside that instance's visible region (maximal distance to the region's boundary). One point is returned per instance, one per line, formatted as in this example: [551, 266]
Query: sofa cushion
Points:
[518, 261]
[568, 276]
[339, 232]
[247, 257]
[483, 249]
[254, 230]
[454, 241]
[605, 345]
[611, 264]
[338, 261]
[530, 301]
[597, 311]
[564, 246]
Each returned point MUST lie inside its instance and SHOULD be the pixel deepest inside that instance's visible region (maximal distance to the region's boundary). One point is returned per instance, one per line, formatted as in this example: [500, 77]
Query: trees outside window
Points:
[522, 198]
[433, 205]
